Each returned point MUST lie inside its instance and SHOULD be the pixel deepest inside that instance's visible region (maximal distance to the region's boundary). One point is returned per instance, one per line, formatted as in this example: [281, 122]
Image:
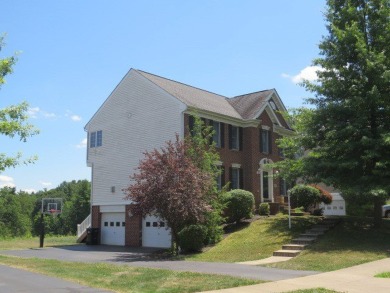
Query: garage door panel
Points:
[155, 232]
[113, 229]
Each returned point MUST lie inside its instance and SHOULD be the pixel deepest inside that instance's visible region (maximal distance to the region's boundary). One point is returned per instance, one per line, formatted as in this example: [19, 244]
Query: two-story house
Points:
[142, 113]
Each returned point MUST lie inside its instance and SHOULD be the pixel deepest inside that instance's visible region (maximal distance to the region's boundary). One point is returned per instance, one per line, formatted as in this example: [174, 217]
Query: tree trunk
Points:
[378, 202]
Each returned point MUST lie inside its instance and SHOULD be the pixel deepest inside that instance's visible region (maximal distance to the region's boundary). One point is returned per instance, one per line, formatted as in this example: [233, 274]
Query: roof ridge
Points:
[182, 83]
[252, 93]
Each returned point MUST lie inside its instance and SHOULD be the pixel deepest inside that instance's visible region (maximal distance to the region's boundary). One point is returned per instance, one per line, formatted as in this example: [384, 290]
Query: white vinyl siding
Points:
[138, 116]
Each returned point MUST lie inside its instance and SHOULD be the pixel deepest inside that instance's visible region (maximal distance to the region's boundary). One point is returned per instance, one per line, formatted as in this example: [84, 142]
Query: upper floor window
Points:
[265, 141]
[219, 133]
[235, 137]
[96, 139]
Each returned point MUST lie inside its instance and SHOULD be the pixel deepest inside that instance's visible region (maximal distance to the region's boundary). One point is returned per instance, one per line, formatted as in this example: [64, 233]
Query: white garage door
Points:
[113, 229]
[155, 232]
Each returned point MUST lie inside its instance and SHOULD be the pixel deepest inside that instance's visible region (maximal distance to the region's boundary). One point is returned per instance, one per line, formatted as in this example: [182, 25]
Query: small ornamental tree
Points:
[170, 185]
[305, 196]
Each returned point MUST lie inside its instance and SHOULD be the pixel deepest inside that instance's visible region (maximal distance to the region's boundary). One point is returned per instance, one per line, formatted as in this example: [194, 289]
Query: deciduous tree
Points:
[348, 128]
[169, 184]
[13, 119]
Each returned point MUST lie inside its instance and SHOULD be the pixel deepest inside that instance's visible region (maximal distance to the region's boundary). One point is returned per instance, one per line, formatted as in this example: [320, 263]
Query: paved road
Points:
[15, 280]
[141, 257]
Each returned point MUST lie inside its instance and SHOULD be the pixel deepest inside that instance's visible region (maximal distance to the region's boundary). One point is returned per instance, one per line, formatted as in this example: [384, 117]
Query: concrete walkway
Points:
[354, 279]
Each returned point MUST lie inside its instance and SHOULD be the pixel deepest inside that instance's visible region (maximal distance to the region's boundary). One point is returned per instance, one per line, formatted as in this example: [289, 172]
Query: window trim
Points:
[96, 139]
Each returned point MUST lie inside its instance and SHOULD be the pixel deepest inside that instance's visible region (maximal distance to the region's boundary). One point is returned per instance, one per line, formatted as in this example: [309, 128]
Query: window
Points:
[147, 224]
[162, 224]
[236, 178]
[217, 134]
[265, 141]
[96, 139]
[283, 187]
[235, 137]
[221, 178]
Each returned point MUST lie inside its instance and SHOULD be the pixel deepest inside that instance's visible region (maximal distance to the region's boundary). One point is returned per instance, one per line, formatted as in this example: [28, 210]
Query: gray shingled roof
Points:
[248, 105]
[240, 107]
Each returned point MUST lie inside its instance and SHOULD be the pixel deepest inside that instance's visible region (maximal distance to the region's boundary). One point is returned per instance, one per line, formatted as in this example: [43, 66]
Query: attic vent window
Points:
[273, 106]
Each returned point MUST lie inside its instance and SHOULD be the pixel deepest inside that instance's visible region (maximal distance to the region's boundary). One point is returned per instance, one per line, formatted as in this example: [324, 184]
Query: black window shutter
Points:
[240, 137]
[241, 178]
[222, 176]
[260, 141]
[222, 133]
[191, 122]
[230, 177]
[270, 141]
[230, 136]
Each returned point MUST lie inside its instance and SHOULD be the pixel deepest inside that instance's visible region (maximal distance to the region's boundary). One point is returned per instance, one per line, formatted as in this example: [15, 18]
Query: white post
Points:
[289, 209]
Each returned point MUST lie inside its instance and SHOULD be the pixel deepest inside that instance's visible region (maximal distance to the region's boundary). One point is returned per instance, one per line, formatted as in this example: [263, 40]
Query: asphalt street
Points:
[141, 257]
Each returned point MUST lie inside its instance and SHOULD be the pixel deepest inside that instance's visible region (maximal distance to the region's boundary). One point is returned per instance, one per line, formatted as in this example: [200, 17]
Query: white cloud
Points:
[31, 190]
[36, 111]
[33, 112]
[82, 144]
[45, 184]
[308, 73]
[6, 181]
[75, 118]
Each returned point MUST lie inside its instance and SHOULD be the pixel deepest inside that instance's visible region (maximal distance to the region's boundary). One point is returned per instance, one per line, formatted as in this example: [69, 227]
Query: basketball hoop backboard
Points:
[52, 206]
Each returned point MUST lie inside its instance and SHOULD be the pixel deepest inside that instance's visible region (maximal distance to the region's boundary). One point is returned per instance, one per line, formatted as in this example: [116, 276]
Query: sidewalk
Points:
[354, 279]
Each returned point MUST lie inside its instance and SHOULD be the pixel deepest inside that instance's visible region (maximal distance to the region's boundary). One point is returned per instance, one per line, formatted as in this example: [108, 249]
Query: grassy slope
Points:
[126, 279]
[256, 241]
[33, 242]
[354, 241]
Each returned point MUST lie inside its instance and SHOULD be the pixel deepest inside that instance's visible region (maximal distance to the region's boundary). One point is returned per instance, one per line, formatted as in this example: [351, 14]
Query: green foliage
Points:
[264, 209]
[239, 204]
[13, 119]
[14, 218]
[305, 196]
[192, 238]
[204, 155]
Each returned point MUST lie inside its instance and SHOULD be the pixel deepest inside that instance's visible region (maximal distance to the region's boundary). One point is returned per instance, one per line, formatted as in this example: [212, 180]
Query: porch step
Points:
[310, 235]
[315, 232]
[303, 240]
[82, 237]
[287, 252]
[293, 247]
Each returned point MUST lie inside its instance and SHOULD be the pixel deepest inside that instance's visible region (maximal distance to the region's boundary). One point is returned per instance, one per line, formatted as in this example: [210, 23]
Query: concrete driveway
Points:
[144, 257]
[14, 280]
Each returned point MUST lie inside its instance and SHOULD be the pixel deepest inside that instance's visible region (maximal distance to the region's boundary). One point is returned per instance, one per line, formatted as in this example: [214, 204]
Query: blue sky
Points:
[73, 53]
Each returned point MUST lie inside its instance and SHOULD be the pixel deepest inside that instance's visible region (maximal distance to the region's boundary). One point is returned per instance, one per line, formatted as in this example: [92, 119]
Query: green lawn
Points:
[255, 241]
[33, 242]
[354, 241]
[313, 290]
[383, 275]
[126, 279]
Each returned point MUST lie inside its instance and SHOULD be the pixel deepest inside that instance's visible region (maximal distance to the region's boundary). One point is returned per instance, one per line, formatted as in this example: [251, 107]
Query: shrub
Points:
[264, 209]
[239, 204]
[192, 238]
[306, 196]
[325, 196]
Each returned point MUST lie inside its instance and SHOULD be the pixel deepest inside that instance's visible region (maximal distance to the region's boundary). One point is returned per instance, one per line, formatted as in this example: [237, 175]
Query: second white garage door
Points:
[113, 229]
[155, 232]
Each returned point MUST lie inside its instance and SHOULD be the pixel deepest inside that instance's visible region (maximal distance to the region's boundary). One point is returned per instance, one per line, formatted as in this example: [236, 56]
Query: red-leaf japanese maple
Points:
[169, 184]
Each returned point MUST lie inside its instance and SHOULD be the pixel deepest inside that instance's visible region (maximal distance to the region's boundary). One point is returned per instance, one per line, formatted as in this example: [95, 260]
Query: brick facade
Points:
[249, 157]
[133, 232]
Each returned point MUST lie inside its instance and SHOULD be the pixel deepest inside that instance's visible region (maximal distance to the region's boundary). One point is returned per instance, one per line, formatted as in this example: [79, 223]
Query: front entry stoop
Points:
[307, 238]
